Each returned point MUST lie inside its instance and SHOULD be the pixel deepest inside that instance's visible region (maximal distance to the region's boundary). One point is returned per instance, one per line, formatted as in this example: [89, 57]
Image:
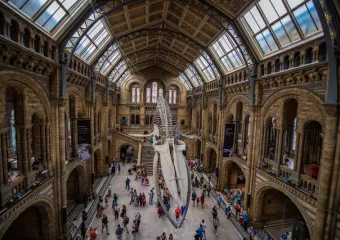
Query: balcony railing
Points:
[14, 206]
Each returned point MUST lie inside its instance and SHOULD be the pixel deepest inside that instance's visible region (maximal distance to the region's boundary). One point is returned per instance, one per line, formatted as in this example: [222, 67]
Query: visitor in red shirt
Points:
[315, 170]
[177, 213]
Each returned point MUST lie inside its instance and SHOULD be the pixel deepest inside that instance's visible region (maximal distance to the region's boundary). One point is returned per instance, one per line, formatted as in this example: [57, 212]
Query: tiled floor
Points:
[151, 226]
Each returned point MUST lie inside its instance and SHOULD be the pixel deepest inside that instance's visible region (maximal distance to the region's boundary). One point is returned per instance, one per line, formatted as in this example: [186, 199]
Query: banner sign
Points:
[228, 139]
[84, 139]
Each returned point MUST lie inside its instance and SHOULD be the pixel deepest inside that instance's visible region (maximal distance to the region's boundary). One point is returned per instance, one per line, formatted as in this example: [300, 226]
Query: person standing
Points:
[115, 198]
[208, 190]
[228, 210]
[202, 199]
[83, 230]
[105, 223]
[245, 220]
[123, 211]
[127, 183]
[151, 196]
[116, 210]
[119, 232]
[125, 223]
[177, 212]
[315, 170]
[219, 201]
[193, 197]
[214, 212]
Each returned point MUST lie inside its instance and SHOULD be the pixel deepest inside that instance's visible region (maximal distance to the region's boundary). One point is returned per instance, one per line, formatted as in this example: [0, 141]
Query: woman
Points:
[123, 211]
[214, 212]
[125, 223]
[99, 210]
[143, 200]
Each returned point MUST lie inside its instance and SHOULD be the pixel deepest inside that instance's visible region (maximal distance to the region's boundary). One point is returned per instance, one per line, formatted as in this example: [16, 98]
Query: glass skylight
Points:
[206, 66]
[228, 54]
[185, 81]
[46, 13]
[193, 76]
[118, 69]
[108, 59]
[124, 76]
[275, 24]
[93, 40]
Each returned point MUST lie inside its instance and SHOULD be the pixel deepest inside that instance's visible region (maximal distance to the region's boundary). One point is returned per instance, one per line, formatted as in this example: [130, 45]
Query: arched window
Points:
[170, 96]
[154, 92]
[322, 52]
[133, 97]
[286, 63]
[137, 95]
[148, 95]
[269, 68]
[160, 92]
[277, 65]
[297, 59]
[46, 48]
[14, 31]
[132, 119]
[137, 119]
[37, 44]
[174, 96]
[26, 38]
[309, 55]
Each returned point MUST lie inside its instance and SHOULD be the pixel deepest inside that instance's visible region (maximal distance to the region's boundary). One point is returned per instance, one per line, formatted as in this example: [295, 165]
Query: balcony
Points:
[15, 205]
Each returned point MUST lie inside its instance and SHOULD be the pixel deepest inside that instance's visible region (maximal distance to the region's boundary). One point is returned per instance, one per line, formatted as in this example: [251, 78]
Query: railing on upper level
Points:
[309, 198]
[25, 199]
[128, 138]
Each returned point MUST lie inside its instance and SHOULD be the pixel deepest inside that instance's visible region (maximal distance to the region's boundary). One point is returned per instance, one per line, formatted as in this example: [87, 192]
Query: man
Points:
[119, 232]
[177, 212]
[116, 210]
[219, 201]
[202, 199]
[284, 236]
[105, 222]
[127, 183]
[245, 220]
[214, 212]
[151, 196]
[208, 190]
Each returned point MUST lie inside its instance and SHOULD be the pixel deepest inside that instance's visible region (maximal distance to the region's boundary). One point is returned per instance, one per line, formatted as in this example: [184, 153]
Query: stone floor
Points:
[151, 226]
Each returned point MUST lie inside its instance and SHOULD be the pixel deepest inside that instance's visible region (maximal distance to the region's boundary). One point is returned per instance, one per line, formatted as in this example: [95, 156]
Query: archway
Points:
[75, 186]
[212, 157]
[97, 163]
[234, 178]
[279, 213]
[126, 153]
[39, 226]
[198, 149]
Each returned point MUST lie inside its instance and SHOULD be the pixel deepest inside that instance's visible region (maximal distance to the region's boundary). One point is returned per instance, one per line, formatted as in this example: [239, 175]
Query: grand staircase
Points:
[148, 162]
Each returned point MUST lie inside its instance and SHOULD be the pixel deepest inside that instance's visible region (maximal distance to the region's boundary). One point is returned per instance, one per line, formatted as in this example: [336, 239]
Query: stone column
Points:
[23, 151]
[62, 155]
[29, 144]
[325, 175]
[4, 156]
[43, 145]
[204, 138]
[298, 152]
[219, 156]
[1, 168]
[315, 53]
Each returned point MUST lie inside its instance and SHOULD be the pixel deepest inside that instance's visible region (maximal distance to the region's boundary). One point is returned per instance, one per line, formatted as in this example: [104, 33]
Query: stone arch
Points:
[211, 159]
[79, 97]
[76, 184]
[294, 92]
[45, 205]
[260, 191]
[239, 98]
[180, 87]
[227, 168]
[131, 81]
[198, 149]
[17, 79]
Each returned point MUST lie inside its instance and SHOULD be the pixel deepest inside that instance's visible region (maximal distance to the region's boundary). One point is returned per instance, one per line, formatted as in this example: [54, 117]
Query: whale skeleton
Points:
[169, 150]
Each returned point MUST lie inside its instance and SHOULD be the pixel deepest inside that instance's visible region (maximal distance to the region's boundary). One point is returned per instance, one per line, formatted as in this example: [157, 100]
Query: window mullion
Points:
[290, 13]
[269, 29]
[62, 6]
[41, 10]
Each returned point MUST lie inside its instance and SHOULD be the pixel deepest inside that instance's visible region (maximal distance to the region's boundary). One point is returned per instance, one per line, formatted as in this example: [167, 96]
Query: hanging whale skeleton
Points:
[169, 151]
